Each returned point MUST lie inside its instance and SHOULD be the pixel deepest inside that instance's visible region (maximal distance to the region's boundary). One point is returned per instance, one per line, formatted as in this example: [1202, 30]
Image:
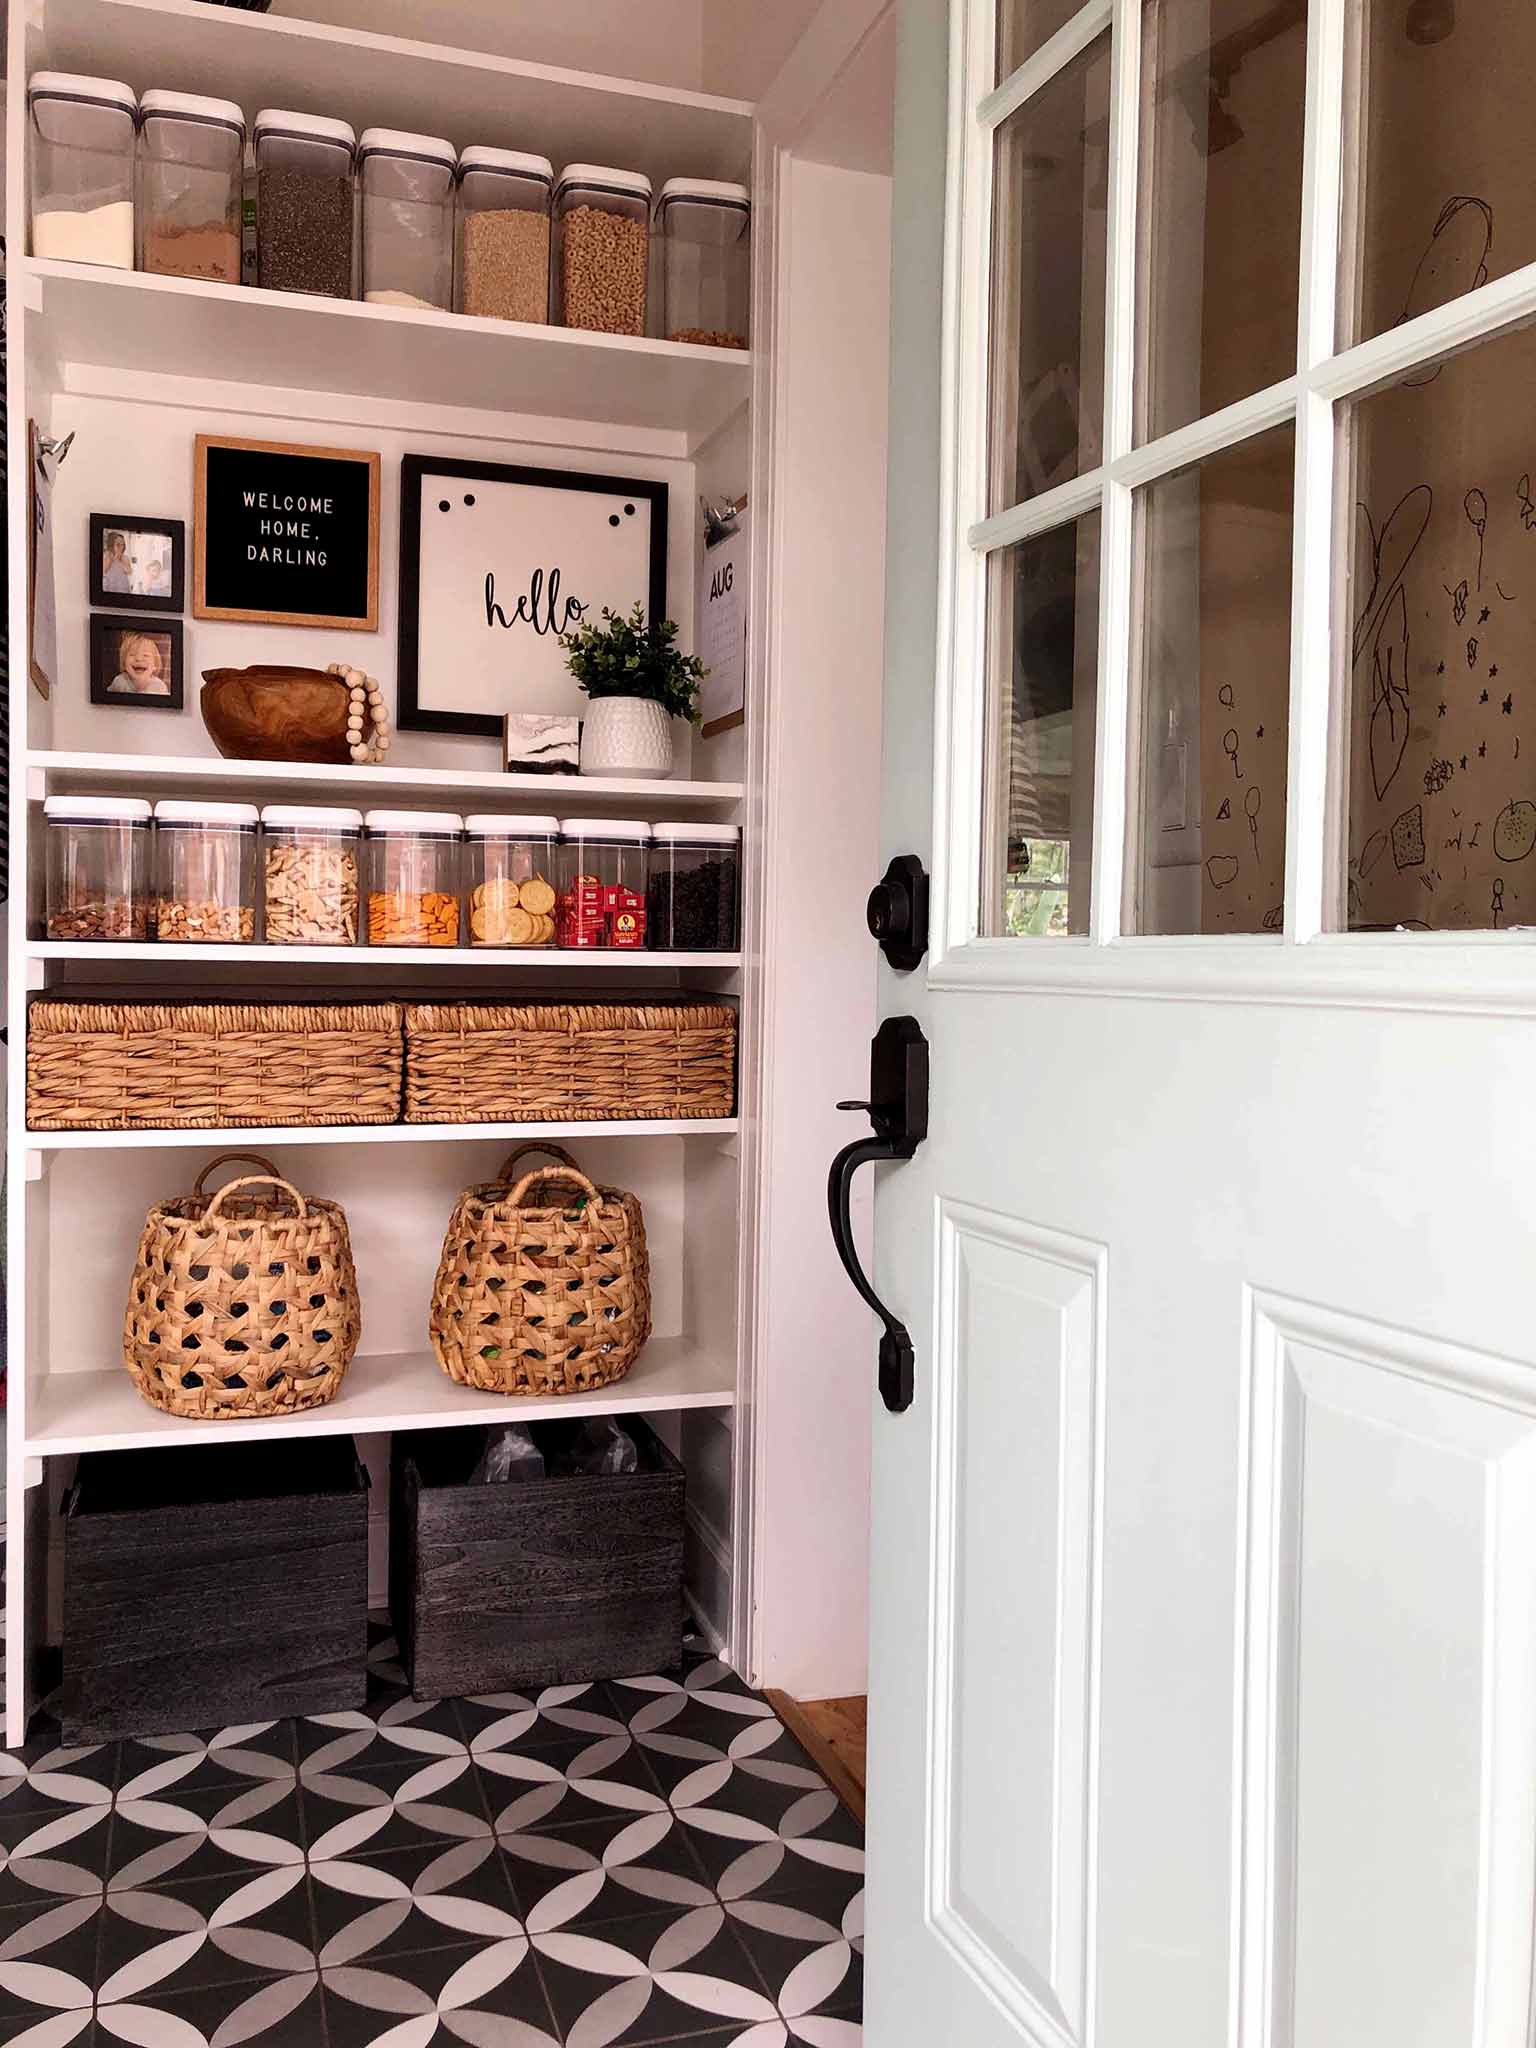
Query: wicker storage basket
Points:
[471, 1063]
[190, 1066]
[544, 1287]
[241, 1304]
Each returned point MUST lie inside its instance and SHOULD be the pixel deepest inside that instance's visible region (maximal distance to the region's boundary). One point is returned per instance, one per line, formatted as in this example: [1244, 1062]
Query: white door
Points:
[1203, 1696]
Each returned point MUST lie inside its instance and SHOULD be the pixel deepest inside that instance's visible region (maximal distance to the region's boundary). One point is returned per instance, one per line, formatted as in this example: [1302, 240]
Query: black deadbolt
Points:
[897, 912]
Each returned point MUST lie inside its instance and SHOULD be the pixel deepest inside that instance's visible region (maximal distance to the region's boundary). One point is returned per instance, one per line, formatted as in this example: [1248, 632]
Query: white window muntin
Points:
[1325, 377]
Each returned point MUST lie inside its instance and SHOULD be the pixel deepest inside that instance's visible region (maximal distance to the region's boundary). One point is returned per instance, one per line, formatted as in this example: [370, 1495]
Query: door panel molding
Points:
[1385, 1687]
[1018, 1412]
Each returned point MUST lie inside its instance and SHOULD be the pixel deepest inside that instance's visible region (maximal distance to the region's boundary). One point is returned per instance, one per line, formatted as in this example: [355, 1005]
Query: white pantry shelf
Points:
[396, 82]
[100, 1411]
[268, 1137]
[136, 774]
[507, 960]
[124, 320]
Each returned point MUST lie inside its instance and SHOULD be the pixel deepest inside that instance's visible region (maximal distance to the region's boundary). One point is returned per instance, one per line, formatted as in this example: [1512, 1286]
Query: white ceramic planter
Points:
[626, 736]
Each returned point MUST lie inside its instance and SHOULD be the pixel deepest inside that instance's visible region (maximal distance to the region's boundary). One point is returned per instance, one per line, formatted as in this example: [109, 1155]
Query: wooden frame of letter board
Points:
[201, 609]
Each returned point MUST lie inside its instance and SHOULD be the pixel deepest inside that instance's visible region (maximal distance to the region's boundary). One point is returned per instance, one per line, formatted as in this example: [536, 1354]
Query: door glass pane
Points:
[1047, 321]
[1043, 651]
[1023, 25]
[1220, 203]
[1445, 198]
[1207, 812]
[1438, 545]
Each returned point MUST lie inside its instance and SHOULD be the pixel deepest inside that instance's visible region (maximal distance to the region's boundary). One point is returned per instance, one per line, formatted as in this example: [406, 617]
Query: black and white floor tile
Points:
[649, 1861]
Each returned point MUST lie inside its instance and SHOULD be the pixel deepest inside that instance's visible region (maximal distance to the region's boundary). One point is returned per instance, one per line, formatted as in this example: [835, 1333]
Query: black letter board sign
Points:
[286, 536]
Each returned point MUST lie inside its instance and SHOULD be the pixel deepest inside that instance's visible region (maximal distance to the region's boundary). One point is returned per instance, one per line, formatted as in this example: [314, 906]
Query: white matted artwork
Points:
[496, 562]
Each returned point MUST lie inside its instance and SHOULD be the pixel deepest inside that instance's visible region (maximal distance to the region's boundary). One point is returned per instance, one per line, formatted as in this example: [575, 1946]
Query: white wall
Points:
[138, 458]
[817, 1343]
[744, 46]
[660, 41]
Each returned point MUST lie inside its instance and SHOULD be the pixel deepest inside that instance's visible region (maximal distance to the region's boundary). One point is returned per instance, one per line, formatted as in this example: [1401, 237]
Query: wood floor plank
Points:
[833, 1732]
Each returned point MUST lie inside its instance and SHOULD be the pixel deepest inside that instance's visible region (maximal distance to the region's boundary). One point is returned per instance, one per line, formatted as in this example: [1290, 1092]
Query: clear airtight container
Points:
[504, 234]
[706, 234]
[602, 882]
[98, 867]
[191, 179]
[83, 133]
[305, 200]
[309, 866]
[205, 873]
[694, 889]
[602, 247]
[408, 196]
[413, 877]
[510, 880]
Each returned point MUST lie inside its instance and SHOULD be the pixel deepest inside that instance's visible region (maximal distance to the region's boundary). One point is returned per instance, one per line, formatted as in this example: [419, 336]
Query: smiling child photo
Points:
[136, 662]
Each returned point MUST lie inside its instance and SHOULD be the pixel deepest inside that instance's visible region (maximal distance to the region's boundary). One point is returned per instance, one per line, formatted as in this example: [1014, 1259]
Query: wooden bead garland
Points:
[365, 707]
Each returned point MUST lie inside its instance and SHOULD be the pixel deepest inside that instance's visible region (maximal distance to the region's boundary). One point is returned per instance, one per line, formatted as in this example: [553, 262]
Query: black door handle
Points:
[898, 1109]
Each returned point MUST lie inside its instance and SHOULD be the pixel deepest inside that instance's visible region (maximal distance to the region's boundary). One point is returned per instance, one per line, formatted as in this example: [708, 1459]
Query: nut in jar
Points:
[206, 924]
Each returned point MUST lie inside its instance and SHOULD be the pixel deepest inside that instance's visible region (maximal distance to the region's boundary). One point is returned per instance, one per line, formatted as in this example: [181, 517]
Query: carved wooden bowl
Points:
[276, 714]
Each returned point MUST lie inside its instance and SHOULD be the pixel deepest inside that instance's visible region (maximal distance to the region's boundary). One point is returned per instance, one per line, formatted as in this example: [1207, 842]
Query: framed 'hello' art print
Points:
[496, 564]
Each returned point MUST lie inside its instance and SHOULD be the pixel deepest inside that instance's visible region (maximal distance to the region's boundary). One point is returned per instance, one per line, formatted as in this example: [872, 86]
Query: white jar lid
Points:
[414, 821]
[314, 815]
[481, 157]
[179, 811]
[73, 85]
[99, 810]
[605, 828]
[315, 127]
[599, 175]
[192, 106]
[696, 835]
[432, 149]
[712, 189]
[485, 826]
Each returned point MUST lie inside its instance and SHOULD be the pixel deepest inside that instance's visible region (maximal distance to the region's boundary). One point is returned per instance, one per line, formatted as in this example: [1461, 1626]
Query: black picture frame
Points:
[285, 533]
[108, 631]
[105, 525]
[411, 715]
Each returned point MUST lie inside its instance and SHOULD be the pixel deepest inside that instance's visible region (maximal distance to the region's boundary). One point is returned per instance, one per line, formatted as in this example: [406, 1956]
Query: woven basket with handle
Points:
[544, 1286]
[242, 1303]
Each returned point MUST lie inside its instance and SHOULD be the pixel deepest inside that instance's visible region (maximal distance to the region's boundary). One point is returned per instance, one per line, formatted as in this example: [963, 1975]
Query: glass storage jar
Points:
[309, 875]
[504, 234]
[191, 183]
[706, 243]
[602, 247]
[693, 888]
[413, 877]
[509, 879]
[305, 202]
[407, 185]
[98, 867]
[602, 882]
[205, 873]
[82, 133]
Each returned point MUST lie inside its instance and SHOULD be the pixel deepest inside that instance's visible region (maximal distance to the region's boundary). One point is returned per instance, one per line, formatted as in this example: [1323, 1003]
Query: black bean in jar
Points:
[692, 909]
[303, 232]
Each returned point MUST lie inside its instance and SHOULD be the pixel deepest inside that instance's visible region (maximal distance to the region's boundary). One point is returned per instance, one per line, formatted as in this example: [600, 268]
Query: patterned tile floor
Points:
[640, 1862]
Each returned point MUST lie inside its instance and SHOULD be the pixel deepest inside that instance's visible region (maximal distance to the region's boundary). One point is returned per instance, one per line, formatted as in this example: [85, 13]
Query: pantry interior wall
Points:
[778, 1484]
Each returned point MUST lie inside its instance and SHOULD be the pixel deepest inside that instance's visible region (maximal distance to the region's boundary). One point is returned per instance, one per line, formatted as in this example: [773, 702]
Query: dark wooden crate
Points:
[498, 1588]
[204, 1587]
